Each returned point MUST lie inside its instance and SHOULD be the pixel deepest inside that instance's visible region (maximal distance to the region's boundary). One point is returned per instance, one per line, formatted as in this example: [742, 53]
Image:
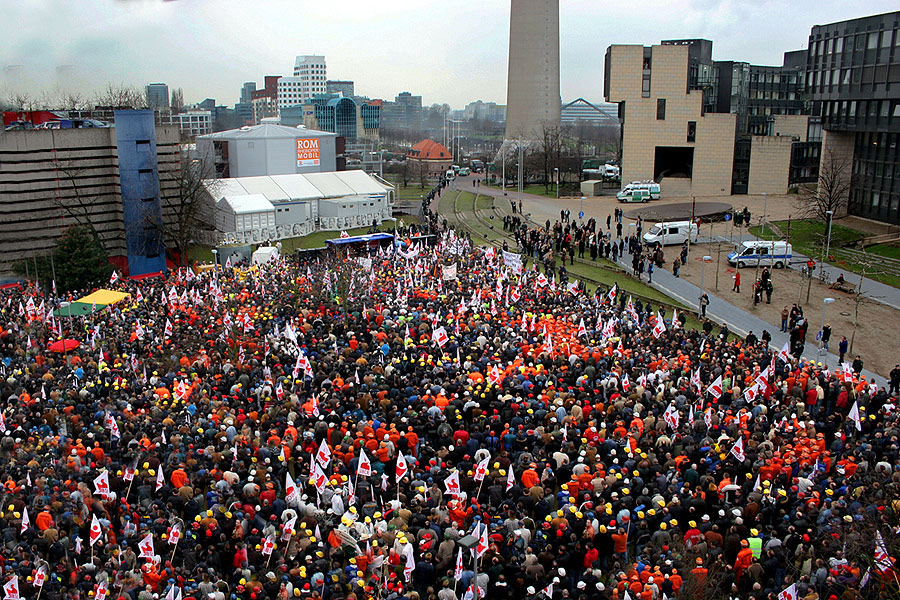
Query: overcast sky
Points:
[453, 51]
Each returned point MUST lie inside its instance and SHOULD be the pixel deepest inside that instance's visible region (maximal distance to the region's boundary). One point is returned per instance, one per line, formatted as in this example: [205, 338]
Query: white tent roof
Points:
[285, 188]
[266, 186]
[297, 187]
[251, 203]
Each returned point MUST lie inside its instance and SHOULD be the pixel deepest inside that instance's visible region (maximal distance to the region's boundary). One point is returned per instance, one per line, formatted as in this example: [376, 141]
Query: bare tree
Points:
[188, 210]
[177, 103]
[831, 191]
[120, 96]
[550, 150]
[72, 200]
[422, 172]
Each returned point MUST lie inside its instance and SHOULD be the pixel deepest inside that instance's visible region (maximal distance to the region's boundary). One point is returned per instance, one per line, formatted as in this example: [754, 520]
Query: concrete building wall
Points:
[770, 162]
[532, 89]
[792, 125]
[277, 156]
[52, 179]
[838, 146]
[643, 132]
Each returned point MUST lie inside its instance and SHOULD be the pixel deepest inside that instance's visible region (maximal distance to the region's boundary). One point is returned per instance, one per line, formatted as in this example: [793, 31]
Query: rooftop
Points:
[267, 131]
[429, 150]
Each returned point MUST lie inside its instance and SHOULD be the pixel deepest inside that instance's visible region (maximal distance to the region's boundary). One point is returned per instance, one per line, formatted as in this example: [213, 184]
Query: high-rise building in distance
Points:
[532, 88]
[157, 95]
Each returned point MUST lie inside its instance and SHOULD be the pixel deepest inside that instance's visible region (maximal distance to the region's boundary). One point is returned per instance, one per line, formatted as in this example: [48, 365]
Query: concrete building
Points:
[298, 204]
[157, 95]
[117, 179]
[403, 114]
[685, 121]
[269, 149]
[532, 89]
[485, 111]
[429, 156]
[191, 123]
[309, 76]
[265, 101]
[344, 88]
[853, 80]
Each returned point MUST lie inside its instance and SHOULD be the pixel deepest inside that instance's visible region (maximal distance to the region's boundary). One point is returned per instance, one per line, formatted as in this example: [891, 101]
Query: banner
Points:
[449, 273]
[513, 261]
[308, 152]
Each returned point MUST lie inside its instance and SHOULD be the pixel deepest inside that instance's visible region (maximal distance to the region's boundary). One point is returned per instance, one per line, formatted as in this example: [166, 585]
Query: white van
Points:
[763, 253]
[639, 191]
[675, 232]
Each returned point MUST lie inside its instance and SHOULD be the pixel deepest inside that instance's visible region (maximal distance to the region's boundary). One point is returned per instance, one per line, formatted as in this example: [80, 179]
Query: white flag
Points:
[481, 468]
[11, 589]
[96, 530]
[146, 546]
[854, 416]
[290, 489]
[402, 468]
[26, 522]
[364, 467]
[738, 449]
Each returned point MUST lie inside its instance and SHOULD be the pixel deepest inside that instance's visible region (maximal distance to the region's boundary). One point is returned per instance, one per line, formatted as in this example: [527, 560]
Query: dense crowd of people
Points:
[428, 422]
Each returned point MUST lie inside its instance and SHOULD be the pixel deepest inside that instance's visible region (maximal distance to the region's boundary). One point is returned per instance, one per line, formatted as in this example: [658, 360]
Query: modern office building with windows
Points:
[157, 95]
[853, 81]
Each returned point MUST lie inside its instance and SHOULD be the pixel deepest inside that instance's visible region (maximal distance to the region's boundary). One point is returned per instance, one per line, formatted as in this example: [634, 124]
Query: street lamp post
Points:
[581, 210]
[468, 543]
[825, 302]
[556, 175]
[706, 259]
[830, 214]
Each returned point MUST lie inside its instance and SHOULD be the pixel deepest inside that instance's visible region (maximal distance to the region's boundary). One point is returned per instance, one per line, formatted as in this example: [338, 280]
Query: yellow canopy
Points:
[104, 297]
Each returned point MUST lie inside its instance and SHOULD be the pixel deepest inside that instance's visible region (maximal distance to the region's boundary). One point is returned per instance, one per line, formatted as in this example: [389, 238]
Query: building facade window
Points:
[661, 109]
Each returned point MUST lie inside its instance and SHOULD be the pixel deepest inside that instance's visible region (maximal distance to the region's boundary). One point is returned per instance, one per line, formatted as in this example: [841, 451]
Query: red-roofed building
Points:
[431, 156]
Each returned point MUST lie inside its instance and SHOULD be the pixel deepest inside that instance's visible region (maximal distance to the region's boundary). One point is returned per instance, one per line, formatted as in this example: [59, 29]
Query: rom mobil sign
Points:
[308, 152]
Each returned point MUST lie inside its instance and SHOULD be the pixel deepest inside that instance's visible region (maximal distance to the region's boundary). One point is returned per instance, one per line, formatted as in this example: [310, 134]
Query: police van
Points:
[762, 253]
[639, 191]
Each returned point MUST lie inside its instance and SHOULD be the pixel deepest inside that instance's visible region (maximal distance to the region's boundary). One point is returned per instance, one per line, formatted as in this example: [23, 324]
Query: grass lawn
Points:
[885, 250]
[808, 237]
[412, 191]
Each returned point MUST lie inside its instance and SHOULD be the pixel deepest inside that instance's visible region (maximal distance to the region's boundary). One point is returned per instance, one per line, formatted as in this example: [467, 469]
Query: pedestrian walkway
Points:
[737, 319]
[875, 290]
[721, 311]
